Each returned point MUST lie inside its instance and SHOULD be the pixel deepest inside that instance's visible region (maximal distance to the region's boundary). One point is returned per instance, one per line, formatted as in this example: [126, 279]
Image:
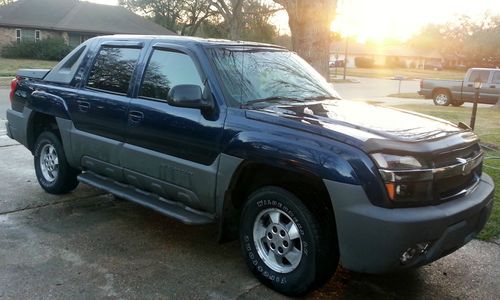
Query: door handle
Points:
[470, 85]
[135, 116]
[493, 86]
[83, 106]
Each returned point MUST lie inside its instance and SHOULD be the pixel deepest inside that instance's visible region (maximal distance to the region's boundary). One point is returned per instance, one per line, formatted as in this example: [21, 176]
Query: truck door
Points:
[172, 151]
[492, 89]
[468, 91]
[99, 112]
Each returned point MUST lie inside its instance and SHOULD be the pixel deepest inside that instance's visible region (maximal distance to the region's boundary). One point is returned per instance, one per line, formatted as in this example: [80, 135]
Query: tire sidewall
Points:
[447, 98]
[301, 278]
[47, 138]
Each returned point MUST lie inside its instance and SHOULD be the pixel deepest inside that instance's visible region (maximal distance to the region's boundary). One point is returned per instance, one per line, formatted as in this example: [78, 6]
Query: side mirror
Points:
[189, 96]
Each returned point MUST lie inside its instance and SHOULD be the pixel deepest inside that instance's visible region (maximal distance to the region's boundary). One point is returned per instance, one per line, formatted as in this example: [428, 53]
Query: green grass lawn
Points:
[407, 73]
[488, 129]
[8, 67]
[407, 95]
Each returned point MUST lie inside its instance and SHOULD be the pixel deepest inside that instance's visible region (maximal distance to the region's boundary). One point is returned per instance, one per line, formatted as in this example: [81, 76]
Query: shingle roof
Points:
[73, 15]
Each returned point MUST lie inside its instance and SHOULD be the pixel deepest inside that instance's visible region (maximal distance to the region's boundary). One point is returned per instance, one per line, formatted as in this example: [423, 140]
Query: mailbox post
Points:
[477, 86]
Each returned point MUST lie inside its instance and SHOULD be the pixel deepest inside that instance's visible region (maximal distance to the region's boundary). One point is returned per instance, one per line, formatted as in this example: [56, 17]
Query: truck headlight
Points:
[396, 162]
[405, 178]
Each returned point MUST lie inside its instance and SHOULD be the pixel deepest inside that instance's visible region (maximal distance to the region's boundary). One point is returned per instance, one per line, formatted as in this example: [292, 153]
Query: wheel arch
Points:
[302, 184]
[439, 89]
[39, 122]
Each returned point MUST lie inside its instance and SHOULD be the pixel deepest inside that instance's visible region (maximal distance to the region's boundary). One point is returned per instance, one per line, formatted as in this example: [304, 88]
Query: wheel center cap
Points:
[278, 239]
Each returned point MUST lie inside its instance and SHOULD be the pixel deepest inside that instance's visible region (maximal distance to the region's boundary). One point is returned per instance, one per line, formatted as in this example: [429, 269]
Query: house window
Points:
[18, 35]
[37, 35]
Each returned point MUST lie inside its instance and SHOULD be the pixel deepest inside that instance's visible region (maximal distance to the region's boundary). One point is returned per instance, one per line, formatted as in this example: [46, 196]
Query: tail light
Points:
[13, 86]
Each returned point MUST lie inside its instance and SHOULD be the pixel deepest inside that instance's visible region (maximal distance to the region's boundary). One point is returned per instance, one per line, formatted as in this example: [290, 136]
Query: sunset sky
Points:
[390, 19]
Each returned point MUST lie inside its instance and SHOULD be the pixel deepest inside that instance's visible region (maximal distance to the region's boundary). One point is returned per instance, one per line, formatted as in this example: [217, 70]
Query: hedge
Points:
[47, 49]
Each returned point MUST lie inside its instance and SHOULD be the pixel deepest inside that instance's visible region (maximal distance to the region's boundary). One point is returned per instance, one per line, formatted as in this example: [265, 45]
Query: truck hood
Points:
[358, 120]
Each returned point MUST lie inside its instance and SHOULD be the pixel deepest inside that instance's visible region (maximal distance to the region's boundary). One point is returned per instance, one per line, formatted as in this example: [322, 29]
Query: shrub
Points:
[394, 62]
[47, 49]
[364, 62]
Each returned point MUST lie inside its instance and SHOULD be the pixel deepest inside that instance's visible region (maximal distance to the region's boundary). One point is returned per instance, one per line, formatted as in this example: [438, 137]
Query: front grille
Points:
[450, 188]
[449, 158]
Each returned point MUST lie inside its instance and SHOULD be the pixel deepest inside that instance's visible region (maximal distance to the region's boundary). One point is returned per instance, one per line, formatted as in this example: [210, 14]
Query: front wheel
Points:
[52, 170]
[442, 98]
[284, 245]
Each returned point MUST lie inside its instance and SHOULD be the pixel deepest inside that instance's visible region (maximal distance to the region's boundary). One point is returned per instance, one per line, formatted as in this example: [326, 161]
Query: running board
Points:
[166, 207]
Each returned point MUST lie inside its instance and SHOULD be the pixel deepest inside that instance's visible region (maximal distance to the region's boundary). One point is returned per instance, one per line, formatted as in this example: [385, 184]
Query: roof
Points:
[191, 39]
[77, 16]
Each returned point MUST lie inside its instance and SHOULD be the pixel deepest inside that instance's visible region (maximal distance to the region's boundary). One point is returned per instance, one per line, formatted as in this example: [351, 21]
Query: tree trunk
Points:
[310, 27]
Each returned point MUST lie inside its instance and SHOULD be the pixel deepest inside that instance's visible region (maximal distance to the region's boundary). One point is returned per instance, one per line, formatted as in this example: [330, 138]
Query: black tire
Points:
[457, 103]
[62, 181]
[442, 97]
[319, 258]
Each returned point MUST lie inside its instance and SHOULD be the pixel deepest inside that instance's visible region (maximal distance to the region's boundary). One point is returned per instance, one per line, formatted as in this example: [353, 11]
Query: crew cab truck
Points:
[456, 92]
[250, 137]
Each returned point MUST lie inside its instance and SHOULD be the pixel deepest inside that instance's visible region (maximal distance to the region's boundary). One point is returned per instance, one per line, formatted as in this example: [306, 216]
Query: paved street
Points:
[88, 245]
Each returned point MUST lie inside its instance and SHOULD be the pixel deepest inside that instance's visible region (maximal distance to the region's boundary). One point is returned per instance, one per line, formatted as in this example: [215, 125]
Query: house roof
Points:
[77, 16]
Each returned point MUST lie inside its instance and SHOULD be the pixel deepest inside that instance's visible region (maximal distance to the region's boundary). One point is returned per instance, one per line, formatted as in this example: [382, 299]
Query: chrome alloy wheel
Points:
[441, 99]
[277, 240]
[49, 163]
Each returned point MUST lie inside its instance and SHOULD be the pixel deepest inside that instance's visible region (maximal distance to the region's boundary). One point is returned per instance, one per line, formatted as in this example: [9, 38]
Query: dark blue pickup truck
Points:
[252, 138]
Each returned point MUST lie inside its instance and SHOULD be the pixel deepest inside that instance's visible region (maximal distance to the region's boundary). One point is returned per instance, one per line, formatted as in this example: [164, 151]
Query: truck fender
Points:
[49, 104]
[277, 152]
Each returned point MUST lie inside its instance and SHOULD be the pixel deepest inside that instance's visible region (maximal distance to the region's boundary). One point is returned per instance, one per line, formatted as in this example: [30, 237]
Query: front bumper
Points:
[372, 239]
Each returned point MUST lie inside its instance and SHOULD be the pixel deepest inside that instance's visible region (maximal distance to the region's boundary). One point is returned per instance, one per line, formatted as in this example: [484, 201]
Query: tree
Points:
[232, 13]
[181, 16]
[309, 23]
[475, 41]
[5, 2]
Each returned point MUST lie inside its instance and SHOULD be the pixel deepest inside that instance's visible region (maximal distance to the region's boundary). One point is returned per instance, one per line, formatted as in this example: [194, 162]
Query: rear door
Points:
[172, 151]
[100, 110]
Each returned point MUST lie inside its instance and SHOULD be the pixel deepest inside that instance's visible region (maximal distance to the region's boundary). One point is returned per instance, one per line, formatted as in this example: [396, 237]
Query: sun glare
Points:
[400, 19]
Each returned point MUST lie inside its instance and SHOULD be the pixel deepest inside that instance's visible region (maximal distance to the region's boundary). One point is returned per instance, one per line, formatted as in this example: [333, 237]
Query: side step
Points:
[169, 208]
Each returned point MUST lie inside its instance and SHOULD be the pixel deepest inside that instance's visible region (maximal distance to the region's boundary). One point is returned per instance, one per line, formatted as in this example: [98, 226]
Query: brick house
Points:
[73, 20]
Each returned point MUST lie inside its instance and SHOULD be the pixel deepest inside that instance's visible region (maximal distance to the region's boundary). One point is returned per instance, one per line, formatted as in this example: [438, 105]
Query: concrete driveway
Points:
[88, 245]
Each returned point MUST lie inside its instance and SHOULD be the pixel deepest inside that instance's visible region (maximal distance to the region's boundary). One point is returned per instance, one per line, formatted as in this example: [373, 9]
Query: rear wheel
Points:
[284, 244]
[442, 98]
[457, 103]
[52, 170]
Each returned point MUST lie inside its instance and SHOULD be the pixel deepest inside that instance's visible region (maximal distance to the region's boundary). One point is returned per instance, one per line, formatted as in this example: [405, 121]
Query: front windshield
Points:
[261, 75]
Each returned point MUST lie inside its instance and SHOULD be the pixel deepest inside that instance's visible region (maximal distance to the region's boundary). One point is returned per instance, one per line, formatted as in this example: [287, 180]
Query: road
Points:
[367, 88]
[88, 245]
[4, 105]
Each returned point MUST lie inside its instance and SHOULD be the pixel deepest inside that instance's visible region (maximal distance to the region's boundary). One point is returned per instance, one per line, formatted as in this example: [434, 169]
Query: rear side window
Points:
[481, 75]
[165, 70]
[496, 77]
[65, 71]
[113, 69]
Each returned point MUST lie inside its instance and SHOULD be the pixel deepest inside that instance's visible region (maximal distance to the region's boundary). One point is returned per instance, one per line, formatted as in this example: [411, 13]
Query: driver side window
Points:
[165, 70]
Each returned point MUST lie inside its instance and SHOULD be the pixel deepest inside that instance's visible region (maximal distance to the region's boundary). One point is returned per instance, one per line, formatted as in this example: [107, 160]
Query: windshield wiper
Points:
[322, 97]
[273, 99]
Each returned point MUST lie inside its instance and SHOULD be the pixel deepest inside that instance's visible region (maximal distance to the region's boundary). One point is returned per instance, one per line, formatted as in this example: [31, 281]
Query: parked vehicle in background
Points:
[337, 63]
[251, 137]
[456, 92]
[433, 66]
